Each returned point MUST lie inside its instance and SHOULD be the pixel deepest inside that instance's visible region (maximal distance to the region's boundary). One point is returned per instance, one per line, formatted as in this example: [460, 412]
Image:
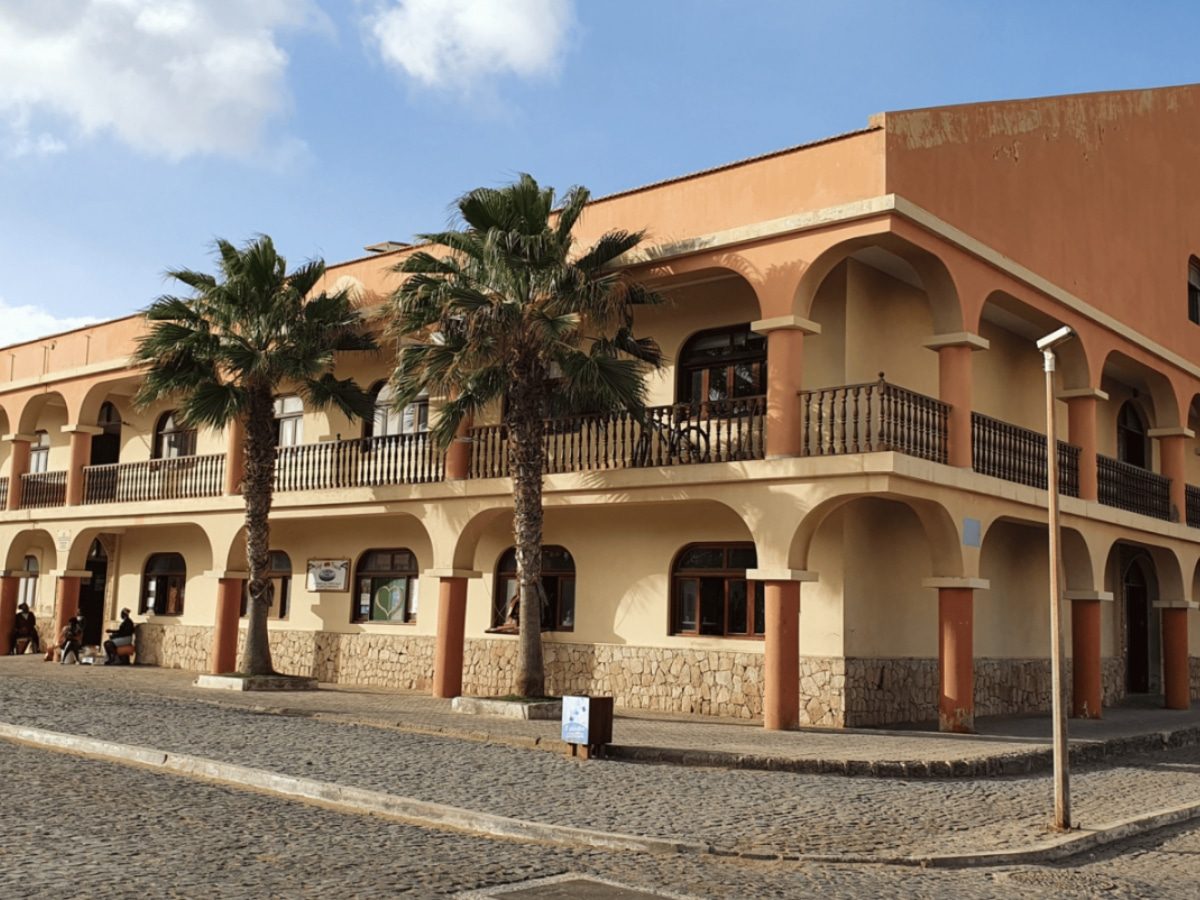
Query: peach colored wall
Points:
[1093, 192]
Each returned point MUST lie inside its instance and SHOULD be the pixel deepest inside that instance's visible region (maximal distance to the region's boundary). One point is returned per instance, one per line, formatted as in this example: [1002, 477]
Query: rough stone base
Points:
[507, 709]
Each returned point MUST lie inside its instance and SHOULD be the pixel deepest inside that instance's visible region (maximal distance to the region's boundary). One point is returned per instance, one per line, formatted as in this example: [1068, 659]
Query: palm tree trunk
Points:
[526, 459]
[258, 489]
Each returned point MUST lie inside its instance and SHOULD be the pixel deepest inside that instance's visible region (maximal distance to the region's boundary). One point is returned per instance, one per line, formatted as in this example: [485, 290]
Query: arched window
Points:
[29, 582]
[1194, 290]
[162, 585]
[106, 446]
[289, 414]
[172, 438]
[280, 574]
[1133, 446]
[722, 364]
[387, 586]
[710, 593]
[413, 419]
[558, 581]
[39, 452]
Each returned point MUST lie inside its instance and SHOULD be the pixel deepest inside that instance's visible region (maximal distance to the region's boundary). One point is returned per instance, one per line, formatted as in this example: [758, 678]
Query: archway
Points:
[92, 592]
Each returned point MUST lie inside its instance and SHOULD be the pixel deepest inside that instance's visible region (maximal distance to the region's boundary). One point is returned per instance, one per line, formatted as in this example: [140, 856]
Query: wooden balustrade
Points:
[684, 433]
[873, 417]
[1193, 505]
[1018, 454]
[359, 462]
[43, 489]
[3, 493]
[1133, 488]
[177, 478]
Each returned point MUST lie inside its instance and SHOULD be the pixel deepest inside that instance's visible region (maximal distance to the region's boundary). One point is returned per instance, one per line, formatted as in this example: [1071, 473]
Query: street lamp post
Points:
[1062, 788]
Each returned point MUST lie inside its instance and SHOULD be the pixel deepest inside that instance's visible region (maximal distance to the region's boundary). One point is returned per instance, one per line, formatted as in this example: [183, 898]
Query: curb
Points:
[439, 816]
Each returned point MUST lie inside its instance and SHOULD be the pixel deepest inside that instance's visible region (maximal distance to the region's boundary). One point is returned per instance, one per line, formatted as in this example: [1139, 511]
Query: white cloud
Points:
[27, 323]
[460, 43]
[170, 78]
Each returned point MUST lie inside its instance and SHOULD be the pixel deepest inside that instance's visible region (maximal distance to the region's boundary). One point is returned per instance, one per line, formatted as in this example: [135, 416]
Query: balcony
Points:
[1018, 454]
[873, 417]
[178, 478]
[362, 462]
[681, 434]
[1133, 488]
[40, 490]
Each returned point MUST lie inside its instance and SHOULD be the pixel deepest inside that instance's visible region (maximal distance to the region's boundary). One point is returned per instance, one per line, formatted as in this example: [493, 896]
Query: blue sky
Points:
[132, 132]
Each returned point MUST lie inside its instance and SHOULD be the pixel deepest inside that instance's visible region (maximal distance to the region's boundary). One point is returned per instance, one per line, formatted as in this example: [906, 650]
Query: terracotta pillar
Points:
[785, 371]
[10, 587]
[451, 631]
[1172, 453]
[458, 455]
[18, 466]
[781, 665]
[955, 385]
[235, 460]
[956, 659]
[225, 632]
[68, 599]
[1176, 683]
[81, 456]
[1087, 686]
[1081, 431]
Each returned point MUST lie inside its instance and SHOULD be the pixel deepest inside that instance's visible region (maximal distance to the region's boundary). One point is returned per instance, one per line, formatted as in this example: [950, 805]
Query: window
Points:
[413, 419]
[723, 364]
[1133, 446]
[29, 583]
[289, 413]
[279, 572]
[1194, 290]
[172, 438]
[387, 587]
[163, 584]
[558, 581]
[39, 452]
[710, 593]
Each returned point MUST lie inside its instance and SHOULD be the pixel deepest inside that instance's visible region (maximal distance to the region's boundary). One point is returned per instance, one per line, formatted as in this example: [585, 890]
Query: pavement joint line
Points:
[443, 817]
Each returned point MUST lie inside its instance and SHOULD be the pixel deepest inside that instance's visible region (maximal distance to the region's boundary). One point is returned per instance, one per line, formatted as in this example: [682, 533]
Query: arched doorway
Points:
[91, 594]
[106, 446]
[1141, 631]
[1133, 444]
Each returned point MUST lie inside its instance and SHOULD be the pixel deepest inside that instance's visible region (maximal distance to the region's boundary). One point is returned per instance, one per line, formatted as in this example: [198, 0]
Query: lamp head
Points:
[1052, 340]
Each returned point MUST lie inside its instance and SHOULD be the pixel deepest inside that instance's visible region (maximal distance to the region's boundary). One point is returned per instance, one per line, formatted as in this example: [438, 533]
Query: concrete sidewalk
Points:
[1003, 746]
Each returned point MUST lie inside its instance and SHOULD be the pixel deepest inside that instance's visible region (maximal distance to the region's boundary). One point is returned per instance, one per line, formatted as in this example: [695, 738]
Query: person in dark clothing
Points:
[25, 633]
[71, 640]
[121, 636]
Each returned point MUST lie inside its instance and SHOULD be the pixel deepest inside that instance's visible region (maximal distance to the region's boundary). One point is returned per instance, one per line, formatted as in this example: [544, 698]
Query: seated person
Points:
[70, 642]
[25, 633]
[121, 636]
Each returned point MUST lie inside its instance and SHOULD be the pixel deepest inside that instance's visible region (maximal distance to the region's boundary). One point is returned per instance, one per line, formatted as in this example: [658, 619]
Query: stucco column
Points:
[451, 630]
[10, 587]
[18, 465]
[1172, 453]
[956, 651]
[458, 454]
[1081, 431]
[1176, 686]
[785, 371]
[1087, 685]
[955, 385]
[67, 594]
[223, 658]
[781, 657]
[81, 455]
[235, 460]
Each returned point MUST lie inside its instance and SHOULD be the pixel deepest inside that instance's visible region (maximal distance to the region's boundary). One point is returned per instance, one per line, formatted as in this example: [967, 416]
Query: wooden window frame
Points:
[562, 575]
[728, 575]
[361, 573]
[150, 601]
[686, 369]
[161, 433]
[281, 581]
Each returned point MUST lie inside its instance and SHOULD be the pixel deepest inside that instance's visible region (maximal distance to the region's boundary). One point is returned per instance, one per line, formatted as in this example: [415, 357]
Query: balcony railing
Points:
[178, 478]
[3, 493]
[43, 489]
[1133, 488]
[873, 417]
[1018, 454]
[714, 431]
[362, 462]
[1193, 505]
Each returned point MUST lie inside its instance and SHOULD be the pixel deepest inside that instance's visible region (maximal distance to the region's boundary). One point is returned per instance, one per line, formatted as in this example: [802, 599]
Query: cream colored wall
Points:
[1012, 617]
[200, 590]
[823, 621]
[623, 557]
[884, 558]
[886, 323]
[137, 431]
[1008, 381]
[825, 353]
[51, 420]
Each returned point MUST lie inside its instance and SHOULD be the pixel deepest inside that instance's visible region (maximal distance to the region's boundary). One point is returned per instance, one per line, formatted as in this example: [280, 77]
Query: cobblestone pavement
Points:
[82, 828]
[740, 810]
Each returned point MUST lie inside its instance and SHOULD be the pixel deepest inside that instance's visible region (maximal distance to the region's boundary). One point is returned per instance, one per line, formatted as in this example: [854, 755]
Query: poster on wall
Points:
[329, 575]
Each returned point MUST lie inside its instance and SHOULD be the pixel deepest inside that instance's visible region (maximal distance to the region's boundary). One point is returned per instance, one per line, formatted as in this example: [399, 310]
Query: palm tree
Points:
[513, 313]
[225, 352]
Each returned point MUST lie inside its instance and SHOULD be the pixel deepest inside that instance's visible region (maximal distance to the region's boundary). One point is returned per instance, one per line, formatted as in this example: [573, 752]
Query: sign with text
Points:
[575, 714]
[328, 575]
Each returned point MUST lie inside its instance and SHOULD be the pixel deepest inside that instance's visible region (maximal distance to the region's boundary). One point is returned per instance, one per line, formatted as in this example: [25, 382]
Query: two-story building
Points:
[834, 514]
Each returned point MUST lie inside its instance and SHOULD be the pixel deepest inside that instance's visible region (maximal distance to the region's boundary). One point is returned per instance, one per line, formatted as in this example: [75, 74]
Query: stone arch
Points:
[1001, 311]
[189, 540]
[32, 539]
[118, 391]
[34, 414]
[1140, 577]
[1154, 390]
